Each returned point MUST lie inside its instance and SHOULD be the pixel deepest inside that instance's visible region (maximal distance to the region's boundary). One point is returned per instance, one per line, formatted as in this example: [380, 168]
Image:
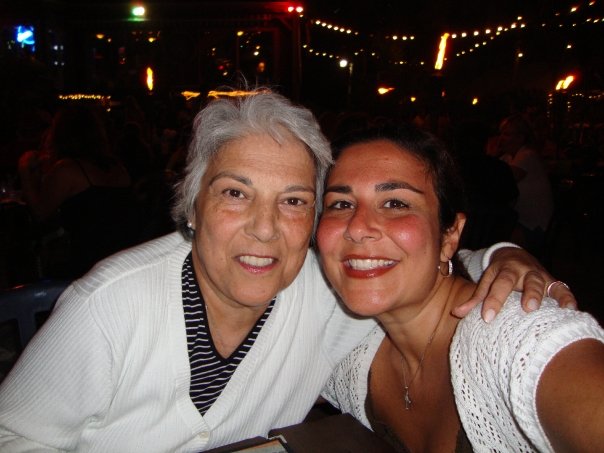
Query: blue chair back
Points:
[22, 303]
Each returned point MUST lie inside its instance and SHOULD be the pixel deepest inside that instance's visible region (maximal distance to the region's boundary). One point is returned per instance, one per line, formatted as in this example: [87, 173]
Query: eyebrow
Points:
[226, 174]
[387, 186]
[248, 182]
[382, 187]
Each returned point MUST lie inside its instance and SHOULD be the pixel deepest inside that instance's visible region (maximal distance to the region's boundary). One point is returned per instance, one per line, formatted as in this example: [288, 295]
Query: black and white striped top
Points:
[210, 373]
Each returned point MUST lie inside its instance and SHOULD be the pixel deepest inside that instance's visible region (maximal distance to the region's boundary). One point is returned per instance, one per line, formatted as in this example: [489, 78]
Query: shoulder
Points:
[518, 343]
[514, 323]
[310, 278]
[136, 268]
[65, 172]
[68, 167]
[354, 368]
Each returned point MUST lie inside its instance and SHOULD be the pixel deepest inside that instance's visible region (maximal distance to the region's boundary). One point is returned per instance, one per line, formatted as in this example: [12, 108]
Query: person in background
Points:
[223, 330]
[490, 187]
[535, 204]
[78, 180]
[424, 379]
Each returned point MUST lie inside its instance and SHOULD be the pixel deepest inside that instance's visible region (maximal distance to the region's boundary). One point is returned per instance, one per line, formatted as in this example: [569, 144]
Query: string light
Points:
[481, 35]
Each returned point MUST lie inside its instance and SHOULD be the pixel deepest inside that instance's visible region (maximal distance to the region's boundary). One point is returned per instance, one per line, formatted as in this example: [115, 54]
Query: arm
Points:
[570, 395]
[508, 268]
[61, 382]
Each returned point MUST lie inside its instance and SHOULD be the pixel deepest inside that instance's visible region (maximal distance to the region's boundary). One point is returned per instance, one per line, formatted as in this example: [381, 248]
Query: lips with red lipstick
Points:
[257, 264]
[361, 267]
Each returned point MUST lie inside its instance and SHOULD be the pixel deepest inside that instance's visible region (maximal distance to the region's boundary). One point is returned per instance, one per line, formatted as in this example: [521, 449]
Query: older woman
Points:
[425, 380]
[213, 335]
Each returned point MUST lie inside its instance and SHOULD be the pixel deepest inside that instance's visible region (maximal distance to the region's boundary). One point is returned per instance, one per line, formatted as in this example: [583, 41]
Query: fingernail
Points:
[489, 315]
[532, 304]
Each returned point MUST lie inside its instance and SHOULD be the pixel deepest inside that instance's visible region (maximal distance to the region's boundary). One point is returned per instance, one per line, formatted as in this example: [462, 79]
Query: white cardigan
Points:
[109, 371]
[495, 370]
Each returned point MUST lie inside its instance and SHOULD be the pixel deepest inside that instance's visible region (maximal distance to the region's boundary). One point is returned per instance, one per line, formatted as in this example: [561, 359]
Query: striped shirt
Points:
[210, 373]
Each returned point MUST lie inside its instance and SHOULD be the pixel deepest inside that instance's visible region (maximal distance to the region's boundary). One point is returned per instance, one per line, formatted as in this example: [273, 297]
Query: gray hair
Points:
[225, 120]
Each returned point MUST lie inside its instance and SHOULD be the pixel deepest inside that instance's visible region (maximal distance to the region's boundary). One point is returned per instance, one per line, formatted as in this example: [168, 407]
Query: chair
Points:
[22, 303]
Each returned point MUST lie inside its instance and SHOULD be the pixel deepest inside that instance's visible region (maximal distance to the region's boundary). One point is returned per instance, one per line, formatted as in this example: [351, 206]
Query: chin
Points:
[364, 306]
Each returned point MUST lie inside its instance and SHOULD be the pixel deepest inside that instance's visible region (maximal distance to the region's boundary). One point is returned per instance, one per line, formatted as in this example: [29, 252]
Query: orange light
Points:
[442, 47]
[563, 84]
[567, 82]
[150, 79]
[384, 90]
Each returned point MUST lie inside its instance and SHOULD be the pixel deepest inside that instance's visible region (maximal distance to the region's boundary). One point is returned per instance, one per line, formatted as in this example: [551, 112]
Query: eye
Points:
[233, 193]
[293, 201]
[395, 204]
[339, 205]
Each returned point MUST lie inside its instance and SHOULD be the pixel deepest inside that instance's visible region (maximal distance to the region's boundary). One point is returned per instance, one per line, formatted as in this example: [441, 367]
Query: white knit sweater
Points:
[109, 371]
[495, 369]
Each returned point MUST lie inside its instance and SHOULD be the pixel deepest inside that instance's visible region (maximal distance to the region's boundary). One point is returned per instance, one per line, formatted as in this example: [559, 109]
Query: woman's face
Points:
[253, 220]
[379, 234]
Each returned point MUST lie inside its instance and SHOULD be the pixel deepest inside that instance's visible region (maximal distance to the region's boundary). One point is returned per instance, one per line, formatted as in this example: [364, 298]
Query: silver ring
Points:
[554, 283]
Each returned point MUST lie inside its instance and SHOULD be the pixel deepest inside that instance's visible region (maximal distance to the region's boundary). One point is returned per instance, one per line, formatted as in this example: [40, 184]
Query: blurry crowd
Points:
[93, 180]
[85, 181]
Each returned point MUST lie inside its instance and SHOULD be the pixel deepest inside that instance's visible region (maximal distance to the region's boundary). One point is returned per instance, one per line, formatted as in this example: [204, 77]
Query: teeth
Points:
[256, 261]
[364, 265]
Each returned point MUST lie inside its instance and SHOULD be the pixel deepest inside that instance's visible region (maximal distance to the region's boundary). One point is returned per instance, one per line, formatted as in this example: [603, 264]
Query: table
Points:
[334, 434]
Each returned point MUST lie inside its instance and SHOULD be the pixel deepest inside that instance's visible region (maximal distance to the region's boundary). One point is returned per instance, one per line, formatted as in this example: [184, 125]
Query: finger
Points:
[480, 292]
[533, 289]
[462, 310]
[564, 296]
[497, 294]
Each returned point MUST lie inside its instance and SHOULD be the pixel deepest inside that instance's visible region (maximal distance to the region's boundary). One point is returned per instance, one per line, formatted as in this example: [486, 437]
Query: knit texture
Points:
[495, 370]
[109, 371]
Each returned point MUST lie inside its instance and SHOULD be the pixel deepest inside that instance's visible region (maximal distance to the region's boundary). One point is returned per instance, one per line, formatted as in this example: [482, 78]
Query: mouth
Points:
[256, 261]
[368, 264]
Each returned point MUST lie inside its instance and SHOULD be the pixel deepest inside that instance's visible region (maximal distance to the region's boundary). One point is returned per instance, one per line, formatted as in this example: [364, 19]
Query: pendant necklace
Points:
[406, 384]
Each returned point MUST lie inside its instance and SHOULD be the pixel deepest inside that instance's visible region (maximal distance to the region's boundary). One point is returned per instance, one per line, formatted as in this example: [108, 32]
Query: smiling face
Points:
[253, 220]
[379, 234]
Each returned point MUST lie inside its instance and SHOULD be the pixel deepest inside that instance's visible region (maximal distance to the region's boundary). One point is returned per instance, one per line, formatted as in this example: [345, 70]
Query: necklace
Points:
[406, 384]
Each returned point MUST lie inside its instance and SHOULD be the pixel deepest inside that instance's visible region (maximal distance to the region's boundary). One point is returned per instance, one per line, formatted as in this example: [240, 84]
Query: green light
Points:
[138, 11]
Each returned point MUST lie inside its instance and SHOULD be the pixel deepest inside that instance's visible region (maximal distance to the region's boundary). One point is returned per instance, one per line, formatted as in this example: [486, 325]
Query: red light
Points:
[297, 8]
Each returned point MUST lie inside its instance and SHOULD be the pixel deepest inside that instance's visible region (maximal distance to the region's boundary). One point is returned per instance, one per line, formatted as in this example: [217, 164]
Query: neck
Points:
[411, 329]
[228, 331]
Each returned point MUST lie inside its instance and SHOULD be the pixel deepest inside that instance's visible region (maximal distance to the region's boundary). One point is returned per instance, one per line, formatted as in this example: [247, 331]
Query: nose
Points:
[263, 223]
[362, 226]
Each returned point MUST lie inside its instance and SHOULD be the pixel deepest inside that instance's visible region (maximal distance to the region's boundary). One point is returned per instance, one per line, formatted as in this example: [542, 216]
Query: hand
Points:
[514, 269]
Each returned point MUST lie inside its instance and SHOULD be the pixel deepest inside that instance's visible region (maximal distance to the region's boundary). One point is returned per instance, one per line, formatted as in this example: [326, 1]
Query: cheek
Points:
[328, 233]
[412, 233]
[298, 230]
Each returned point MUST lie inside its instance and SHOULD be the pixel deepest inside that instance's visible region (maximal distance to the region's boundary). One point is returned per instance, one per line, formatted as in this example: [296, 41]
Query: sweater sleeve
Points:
[496, 367]
[60, 384]
[475, 262]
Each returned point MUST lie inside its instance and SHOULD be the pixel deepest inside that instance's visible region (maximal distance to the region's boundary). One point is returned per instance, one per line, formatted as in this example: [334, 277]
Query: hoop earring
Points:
[449, 268]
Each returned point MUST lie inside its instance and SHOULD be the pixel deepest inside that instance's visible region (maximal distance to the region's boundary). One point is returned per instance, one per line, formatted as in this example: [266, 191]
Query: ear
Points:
[451, 237]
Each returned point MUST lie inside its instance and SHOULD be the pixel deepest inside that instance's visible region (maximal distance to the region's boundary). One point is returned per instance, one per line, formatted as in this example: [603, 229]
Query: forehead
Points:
[378, 159]
[262, 153]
